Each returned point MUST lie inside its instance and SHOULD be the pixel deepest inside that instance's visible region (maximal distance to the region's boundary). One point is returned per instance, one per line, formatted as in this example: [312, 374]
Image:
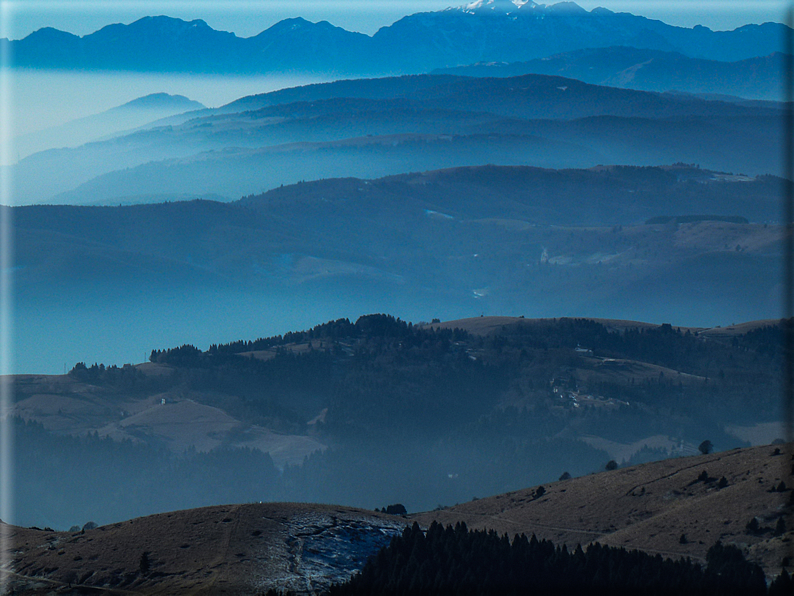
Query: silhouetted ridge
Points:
[416, 43]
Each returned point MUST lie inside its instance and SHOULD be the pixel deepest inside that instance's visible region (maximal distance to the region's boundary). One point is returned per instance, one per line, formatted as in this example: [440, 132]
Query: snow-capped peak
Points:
[500, 6]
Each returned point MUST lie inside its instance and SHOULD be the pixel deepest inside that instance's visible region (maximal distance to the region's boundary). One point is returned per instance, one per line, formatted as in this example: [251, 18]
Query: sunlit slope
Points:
[676, 507]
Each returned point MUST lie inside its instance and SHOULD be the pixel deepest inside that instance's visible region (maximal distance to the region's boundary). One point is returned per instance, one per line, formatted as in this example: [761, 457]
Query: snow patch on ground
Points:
[326, 549]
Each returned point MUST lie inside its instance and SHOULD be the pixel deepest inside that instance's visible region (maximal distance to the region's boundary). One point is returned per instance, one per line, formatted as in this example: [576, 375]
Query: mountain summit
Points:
[498, 6]
[480, 31]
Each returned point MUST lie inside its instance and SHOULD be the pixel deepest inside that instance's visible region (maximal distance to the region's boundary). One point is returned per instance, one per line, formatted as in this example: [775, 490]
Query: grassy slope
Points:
[231, 549]
[650, 506]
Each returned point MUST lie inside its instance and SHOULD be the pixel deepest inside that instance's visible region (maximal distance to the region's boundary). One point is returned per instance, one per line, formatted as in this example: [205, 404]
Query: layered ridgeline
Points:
[722, 538]
[379, 411]
[673, 243]
[649, 70]
[128, 116]
[375, 127]
[483, 31]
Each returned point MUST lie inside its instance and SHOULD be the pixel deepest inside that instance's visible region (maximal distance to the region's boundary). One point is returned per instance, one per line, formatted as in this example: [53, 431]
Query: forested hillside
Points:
[386, 411]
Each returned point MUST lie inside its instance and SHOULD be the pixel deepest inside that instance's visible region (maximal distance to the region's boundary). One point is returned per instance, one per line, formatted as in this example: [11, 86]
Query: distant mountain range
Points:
[479, 32]
[648, 70]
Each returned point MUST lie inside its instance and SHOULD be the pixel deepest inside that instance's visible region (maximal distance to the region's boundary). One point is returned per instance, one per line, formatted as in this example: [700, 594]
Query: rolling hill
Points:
[660, 507]
[422, 230]
[677, 508]
[232, 549]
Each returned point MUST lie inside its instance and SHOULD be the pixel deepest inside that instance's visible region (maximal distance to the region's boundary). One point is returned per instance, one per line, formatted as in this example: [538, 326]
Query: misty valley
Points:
[490, 301]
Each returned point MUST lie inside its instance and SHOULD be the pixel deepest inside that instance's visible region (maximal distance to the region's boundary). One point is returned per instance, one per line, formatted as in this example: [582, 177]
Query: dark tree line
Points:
[455, 560]
[366, 327]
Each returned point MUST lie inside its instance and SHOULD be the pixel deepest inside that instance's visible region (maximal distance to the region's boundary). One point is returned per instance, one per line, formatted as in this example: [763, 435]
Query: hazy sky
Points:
[249, 17]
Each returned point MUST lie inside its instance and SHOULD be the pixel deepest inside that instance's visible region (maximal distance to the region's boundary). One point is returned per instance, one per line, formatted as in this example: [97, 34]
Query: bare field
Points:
[67, 406]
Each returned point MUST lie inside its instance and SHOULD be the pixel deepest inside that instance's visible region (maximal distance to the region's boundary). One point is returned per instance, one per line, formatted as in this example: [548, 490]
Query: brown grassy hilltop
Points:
[652, 506]
[228, 549]
[246, 549]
